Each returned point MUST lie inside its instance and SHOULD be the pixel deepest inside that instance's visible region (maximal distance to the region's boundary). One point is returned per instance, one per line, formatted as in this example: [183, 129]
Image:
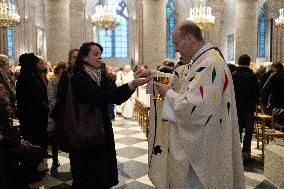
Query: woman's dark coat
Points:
[96, 167]
[32, 106]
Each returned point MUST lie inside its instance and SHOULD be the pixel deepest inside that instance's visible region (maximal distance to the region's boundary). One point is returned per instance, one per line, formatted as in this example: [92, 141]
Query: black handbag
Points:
[81, 124]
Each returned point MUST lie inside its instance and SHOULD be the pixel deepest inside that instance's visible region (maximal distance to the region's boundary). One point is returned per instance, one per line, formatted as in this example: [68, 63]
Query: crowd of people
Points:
[39, 95]
[36, 95]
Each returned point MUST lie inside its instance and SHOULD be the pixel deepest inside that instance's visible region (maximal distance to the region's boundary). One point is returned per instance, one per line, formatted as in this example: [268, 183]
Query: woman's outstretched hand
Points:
[146, 73]
[139, 82]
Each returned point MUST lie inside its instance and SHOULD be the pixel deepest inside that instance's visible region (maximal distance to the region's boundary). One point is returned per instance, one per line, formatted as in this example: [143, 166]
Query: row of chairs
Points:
[142, 114]
[265, 129]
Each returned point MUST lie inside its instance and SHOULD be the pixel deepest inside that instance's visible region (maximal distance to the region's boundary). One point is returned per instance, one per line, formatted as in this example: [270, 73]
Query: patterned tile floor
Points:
[131, 146]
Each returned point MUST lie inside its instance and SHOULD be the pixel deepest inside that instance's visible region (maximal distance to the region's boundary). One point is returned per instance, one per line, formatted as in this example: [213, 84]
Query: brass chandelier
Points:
[9, 16]
[104, 17]
[279, 22]
[201, 16]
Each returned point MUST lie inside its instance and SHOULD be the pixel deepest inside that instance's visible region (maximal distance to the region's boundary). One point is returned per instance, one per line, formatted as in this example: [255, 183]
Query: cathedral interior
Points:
[143, 36]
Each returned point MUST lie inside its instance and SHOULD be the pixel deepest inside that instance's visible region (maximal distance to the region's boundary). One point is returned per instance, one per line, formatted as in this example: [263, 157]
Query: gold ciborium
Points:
[163, 80]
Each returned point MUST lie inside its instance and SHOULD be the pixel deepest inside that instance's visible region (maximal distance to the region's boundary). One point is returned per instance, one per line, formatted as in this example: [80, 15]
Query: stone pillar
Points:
[78, 23]
[214, 34]
[139, 58]
[57, 30]
[246, 28]
[277, 34]
[3, 41]
[154, 32]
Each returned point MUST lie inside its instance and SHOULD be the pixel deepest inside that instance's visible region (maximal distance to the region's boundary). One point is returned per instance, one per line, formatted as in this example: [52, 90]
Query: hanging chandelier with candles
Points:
[279, 22]
[104, 17]
[201, 16]
[9, 16]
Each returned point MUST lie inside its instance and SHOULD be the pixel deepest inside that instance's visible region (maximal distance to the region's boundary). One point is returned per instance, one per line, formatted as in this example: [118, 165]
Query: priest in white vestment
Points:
[128, 76]
[204, 149]
[119, 82]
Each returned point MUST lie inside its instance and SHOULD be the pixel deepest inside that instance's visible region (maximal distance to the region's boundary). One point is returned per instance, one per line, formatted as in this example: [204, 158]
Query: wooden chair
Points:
[141, 114]
[266, 132]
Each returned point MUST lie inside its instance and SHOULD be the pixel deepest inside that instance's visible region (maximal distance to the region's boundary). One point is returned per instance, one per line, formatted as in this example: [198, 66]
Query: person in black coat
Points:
[20, 157]
[275, 87]
[96, 166]
[247, 95]
[32, 102]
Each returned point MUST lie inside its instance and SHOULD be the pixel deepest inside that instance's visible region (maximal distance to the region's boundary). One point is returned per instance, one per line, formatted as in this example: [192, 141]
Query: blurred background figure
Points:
[273, 89]
[52, 95]
[32, 102]
[128, 76]
[7, 79]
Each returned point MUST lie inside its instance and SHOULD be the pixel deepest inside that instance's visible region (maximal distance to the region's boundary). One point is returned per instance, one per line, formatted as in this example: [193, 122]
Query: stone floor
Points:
[131, 147]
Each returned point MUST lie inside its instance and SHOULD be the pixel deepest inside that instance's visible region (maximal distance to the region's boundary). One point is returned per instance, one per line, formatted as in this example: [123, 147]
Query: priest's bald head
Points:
[187, 39]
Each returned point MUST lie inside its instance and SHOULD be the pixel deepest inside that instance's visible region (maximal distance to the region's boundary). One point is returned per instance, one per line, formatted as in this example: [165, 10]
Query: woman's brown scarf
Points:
[93, 73]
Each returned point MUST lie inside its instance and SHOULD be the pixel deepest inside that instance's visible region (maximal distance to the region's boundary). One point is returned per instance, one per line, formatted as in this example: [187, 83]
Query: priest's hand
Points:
[162, 88]
[146, 73]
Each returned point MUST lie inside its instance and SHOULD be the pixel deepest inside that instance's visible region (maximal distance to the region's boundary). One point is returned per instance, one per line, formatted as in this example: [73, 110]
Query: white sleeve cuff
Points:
[168, 107]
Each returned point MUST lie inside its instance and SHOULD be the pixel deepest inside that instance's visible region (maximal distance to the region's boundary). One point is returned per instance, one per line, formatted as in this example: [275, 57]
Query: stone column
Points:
[57, 22]
[3, 41]
[214, 34]
[154, 32]
[78, 23]
[246, 28]
[277, 34]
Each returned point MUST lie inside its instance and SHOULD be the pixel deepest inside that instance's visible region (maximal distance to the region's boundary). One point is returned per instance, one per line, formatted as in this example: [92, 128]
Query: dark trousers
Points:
[35, 132]
[29, 158]
[246, 121]
[21, 165]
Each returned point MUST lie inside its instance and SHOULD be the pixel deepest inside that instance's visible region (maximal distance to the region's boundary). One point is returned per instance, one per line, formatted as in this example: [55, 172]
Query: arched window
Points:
[10, 43]
[170, 15]
[261, 34]
[10, 36]
[115, 42]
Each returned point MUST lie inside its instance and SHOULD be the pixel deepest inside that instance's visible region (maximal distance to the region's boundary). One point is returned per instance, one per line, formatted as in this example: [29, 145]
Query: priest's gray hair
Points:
[189, 27]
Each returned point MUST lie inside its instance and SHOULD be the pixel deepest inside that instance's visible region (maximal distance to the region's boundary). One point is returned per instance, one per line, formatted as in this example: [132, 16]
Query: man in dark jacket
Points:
[247, 94]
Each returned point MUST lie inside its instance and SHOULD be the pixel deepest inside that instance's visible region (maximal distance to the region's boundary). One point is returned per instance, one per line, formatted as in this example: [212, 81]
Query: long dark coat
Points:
[276, 91]
[32, 107]
[246, 89]
[96, 167]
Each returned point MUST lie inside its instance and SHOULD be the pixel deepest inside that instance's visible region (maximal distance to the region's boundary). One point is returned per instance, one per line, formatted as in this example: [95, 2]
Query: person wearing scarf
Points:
[95, 165]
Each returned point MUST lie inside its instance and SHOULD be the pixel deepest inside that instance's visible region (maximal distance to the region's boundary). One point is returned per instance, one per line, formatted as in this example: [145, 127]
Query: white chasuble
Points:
[204, 145]
[157, 139]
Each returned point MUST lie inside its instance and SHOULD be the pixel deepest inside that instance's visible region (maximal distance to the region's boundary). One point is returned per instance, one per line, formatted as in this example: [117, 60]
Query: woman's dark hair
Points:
[70, 54]
[82, 53]
[278, 66]
[28, 63]
[166, 69]
[104, 69]
[60, 65]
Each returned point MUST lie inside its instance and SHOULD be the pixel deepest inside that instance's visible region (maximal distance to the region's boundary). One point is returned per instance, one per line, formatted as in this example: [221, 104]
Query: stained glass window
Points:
[261, 34]
[10, 43]
[10, 35]
[170, 16]
[115, 42]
